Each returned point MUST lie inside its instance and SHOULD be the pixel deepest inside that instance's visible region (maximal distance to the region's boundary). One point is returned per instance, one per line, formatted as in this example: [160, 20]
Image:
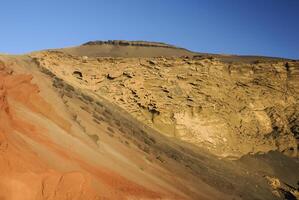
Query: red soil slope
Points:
[26, 175]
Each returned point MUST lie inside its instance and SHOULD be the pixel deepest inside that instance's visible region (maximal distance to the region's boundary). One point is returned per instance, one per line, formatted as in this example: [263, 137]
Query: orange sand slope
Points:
[28, 155]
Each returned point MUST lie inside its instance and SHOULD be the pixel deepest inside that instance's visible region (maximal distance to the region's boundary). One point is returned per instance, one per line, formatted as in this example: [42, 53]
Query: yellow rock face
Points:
[231, 109]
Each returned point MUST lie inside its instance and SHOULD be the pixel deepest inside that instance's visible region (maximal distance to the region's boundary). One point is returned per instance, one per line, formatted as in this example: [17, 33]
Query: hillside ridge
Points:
[141, 43]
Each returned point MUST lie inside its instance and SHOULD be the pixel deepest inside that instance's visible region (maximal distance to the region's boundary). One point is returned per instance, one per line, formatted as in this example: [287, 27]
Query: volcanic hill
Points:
[145, 120]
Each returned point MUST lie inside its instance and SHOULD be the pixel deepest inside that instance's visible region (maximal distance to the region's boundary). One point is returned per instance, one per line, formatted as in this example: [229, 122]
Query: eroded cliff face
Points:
[232, 109]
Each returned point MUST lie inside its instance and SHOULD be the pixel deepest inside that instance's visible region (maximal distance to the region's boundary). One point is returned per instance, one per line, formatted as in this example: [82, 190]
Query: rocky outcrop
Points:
[232, 109]
[283, 190]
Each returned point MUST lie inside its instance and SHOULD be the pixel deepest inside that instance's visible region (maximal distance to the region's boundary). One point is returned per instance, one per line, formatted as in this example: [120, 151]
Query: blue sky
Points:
[250, 27]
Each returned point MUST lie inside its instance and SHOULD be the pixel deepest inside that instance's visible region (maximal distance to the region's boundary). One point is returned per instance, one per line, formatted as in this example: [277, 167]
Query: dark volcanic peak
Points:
[131, 43]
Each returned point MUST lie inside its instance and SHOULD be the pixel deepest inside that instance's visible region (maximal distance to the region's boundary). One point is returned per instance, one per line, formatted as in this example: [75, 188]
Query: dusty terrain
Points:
[138, 120]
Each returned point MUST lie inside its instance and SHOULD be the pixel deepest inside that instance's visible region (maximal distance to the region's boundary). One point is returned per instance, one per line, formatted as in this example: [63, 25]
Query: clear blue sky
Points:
[254, 27]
